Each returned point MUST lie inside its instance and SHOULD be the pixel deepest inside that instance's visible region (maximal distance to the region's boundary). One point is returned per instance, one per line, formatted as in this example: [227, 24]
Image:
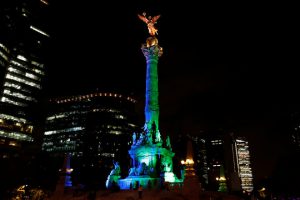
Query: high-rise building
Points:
[70, 119]
[200, 159]
[95, 129]
[23, 56]
[209, 158]
[243, 163]
[214, 151]
[215, 159]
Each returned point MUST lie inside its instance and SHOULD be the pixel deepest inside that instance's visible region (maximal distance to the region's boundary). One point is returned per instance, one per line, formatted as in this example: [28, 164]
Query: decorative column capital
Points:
[151, 49]
[152, 52]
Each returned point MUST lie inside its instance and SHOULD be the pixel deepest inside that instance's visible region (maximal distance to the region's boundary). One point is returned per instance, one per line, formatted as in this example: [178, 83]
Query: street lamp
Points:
[188, 167]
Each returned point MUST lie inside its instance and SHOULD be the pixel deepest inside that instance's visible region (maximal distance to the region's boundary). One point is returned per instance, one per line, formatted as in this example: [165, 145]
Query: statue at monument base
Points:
[112, 181]
[113, 177]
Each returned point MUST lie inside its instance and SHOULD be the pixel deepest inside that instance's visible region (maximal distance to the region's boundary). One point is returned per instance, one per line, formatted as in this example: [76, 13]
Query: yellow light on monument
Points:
[222, 178]
[69, 170]
[189, 161]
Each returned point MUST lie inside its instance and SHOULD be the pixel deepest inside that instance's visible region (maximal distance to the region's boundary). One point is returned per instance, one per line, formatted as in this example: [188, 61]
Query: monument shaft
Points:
[151, 102]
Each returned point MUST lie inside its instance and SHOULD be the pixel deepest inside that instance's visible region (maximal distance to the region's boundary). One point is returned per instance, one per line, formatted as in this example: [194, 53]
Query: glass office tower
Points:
[95, 129]
[243, 163]
[24, 42]
[213, 151]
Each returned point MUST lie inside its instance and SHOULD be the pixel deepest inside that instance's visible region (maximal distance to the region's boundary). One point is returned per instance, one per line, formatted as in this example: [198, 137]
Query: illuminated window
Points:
[39, 31]
[12, 143]
[29, 75]
[19, 64]
[8, 76]
[15, 86]
[64, 130]
[3, 47]
[216, 142]
[11, 69]
[44, 2]
[12, 85]
[29, 129]
[56, 116]
[3, 56]
[18, 95]
[20, 57]
[13, 118]
[7, 100]
[120, 117]
[38, 71]
[15, 135]
[115, 132]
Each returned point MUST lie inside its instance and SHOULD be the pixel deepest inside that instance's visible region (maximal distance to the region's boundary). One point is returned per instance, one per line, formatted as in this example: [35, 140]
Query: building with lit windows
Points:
[200, 159]
[23, 54]
[243, 163]
[209, 157]
[215, 156]
[94, 128]
[217, 152]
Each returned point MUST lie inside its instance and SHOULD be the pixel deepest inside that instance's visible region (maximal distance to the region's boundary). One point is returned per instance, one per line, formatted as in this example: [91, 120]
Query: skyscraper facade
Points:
[23, 56]
[216, 157]
[200, 159]
[214, 151]
[209, 157]
[243, 163]
[95, 129]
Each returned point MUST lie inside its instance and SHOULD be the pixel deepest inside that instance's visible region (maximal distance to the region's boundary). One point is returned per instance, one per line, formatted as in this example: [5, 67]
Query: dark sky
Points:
[224, 66]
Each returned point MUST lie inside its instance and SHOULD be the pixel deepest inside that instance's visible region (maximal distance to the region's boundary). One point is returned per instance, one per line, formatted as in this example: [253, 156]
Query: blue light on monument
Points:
[151, 158]
[68, 181]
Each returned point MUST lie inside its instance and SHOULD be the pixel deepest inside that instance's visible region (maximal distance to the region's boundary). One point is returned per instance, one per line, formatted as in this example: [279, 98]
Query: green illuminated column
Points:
[151, 51]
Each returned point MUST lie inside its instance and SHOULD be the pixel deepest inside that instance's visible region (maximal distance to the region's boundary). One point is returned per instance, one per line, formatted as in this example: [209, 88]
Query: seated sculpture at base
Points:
[114, 176]
[116, 170]
[132, 171]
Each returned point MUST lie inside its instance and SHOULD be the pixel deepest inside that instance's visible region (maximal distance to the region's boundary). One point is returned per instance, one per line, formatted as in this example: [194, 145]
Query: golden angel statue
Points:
[150, 21]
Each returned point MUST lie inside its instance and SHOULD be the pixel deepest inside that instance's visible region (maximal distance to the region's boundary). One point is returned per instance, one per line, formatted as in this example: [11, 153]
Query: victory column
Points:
[151, 158]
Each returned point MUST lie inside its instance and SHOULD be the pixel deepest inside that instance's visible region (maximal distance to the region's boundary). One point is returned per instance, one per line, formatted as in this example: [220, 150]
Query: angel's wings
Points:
[143, 18]
[155, 18]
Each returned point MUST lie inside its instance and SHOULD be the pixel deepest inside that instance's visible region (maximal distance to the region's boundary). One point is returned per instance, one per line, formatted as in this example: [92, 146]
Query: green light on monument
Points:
[151, 158]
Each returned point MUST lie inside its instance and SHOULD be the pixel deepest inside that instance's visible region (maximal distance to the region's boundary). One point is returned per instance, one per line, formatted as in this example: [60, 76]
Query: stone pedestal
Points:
[132, 182]
[152, 165]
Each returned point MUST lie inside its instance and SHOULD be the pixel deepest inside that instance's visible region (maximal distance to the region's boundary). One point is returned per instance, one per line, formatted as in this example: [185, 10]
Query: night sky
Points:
[228, 67]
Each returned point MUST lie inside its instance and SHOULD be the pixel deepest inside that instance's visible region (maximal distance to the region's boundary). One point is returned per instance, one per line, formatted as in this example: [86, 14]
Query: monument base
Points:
[132, 182]
[170, 177]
